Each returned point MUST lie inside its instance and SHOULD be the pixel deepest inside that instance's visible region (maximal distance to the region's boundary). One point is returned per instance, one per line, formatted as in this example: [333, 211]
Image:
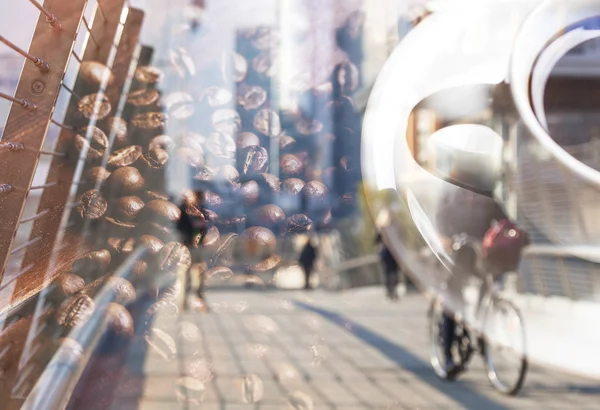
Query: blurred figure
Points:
[393, 275]
[463, 212]
[192, 223]
[307, 260]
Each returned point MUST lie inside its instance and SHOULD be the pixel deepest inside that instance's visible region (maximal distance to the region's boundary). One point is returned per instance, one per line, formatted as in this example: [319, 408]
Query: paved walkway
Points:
[319, 350]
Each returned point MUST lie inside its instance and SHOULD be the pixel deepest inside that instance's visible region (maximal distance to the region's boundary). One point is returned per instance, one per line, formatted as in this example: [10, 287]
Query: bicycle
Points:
[492, 334]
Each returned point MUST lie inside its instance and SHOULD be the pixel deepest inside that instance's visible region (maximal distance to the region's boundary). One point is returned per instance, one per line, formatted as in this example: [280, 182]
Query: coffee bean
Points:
[125, 180]
[234, 223]
[193, 158]
[182, 62]
[264, 38]
[92, 263]
[75, 311]
[233, 66]
[315, 191]
[180, 105]
[304, 156]
[267, 122]
[166, 233]
[192, 209]
[94, 106]
[120, 248]
[163, 142]
[174, 255]
[125, 156]
[95, 285]
[96, 146]
[210, 215]
[92, 205]
[292, 186]
[96, 175]
[268, 215]
[258, 239]
[148, 75]
[218, 272]
[211, 200]
[153, 244]
[161, 344]
[253, 160]
[220, 147]
[152, 195]
[291, 166]
[126, 208]
[150, 120]
[265, 265]
[216, 96]
[265, 64]
[119, 228]
[226, 121]
[66, 285]
[138, 271]
[95, 74]
[250, 193]
[156, 158]
[205, 175]
[224, 252]
[116, 129]
[193, 140]
[247, 139]
[251, 97]
[143, 98]
[122, 290]
[120, 322]
[286, 143]
[160, 211]
[298, 223]
[307, 126]
[344, 79]
[228, 173]
[268, 183]
[208, 239]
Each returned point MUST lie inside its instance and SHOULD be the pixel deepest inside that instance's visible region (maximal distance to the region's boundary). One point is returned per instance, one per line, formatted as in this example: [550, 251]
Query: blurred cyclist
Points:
[462, 211]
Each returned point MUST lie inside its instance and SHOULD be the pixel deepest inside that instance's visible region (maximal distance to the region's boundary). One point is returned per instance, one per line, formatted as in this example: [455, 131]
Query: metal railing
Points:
[54, 388]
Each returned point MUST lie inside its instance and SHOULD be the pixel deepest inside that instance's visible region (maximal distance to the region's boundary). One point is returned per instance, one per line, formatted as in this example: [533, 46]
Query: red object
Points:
[502, 246]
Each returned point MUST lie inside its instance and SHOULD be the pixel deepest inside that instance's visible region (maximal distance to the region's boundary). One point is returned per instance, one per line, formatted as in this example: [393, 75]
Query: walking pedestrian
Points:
[307, 260]
[190, 224]
[393, 275]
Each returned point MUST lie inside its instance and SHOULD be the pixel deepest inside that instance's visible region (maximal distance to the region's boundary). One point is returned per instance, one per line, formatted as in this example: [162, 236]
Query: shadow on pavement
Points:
[401, 356]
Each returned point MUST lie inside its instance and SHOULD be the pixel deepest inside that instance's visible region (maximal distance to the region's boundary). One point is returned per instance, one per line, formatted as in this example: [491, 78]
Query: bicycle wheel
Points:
[437, 358]
[504, 347]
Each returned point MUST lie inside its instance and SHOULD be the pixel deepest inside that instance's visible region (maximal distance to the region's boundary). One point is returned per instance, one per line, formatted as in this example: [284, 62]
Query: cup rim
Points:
[539, 27]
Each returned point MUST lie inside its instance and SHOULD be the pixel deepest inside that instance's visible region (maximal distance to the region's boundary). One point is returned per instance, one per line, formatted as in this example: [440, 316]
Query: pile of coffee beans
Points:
[258, 174]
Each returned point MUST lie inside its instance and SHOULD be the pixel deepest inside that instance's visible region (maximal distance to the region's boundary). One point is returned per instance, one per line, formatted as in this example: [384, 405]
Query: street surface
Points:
[277, 349]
